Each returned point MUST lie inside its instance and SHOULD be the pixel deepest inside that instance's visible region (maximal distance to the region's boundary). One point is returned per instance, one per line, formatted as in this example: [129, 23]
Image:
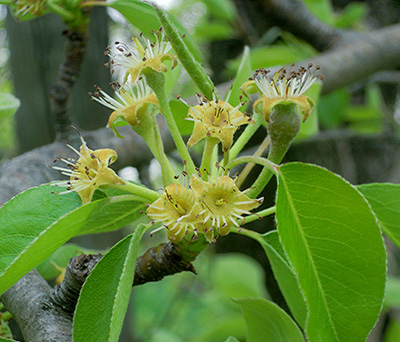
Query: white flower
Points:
[286, 83]
[137, 56]
[132, 102]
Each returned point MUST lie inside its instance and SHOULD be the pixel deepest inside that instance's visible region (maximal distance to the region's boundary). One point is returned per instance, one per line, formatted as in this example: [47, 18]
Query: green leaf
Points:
[352, 14]
[231, 339]
[105, 295]
[5, 331]
[244, 72]
[180, 112]
[285, 276]
[384, 199]
[392, 332]
[221, 9]
[227, 276]
[322, 9]
[335, 247]
[37, 222]
[267, 322]
[7, 340]
[392, 293]
[213, 31]
[8, 104]
[310, 127]
[143, 16]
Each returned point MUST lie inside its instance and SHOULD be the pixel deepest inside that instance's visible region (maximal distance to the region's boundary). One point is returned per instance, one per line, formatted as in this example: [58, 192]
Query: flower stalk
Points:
[156, 81]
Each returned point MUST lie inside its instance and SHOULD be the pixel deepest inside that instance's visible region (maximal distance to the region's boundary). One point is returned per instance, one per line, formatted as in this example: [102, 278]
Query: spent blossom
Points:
[132, 104]
[137, 56]
[286, 86]
[89, 172]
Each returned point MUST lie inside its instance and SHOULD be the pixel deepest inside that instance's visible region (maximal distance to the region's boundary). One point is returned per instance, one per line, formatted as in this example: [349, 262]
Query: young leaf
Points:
[392, 293]
[37, 222]
[8, 104]
[392, 332]
[384, 200]
[227, 275]
[105, 295]
[244, 72]
[335, 247]
[285, 276]
[267, 322]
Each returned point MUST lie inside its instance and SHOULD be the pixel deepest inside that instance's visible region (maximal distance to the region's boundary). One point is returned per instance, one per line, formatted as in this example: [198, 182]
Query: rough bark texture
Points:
[160, 261]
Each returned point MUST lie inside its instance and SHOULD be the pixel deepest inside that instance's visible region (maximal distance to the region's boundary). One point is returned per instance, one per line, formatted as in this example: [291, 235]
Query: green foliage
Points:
[105, 295]
[227, 276]
[392, 333]
[8, 105]
[206, 295]
[285, 276]
[267, 322]
[384, 199]
[38, 221]
[5, 331]
[242, 75]
[327, 230]
[392, 293]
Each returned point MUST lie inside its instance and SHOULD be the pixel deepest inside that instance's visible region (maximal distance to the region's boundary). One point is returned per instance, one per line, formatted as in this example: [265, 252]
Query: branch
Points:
[60, 92]
[38, 318]
[293, 16]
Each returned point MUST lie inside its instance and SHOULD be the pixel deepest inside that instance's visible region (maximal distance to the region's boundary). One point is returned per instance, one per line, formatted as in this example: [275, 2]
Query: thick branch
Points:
[376, 51]
[38, 318]
[293, 16]
[60, 92]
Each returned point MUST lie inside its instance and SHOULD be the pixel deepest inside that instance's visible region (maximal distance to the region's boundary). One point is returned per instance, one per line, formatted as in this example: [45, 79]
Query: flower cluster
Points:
[209, 207]
[89, 172]
[137, 56]
[216, 119]
[286, 86]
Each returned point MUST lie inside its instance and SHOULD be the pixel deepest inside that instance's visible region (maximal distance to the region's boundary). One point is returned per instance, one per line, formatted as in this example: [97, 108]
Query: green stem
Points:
[256, 216]
[252, 159]
[246, 135]
[156, 81]
[193, 68]
[64, 14]
[146, 194]
[149, 131]
[6, 316]
[167, 170]
[207, 156]
[283, 125]
[250, 233]
[247, 169]
[94, 3]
